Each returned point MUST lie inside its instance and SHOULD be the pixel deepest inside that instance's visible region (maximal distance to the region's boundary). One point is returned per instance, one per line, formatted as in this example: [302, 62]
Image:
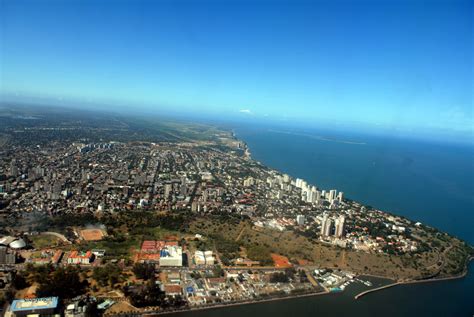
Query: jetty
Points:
[376, 289]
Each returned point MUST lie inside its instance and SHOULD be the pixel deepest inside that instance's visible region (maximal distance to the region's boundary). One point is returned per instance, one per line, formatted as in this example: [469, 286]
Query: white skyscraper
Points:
[340, 196]
[340, 226]
[326, 226]
[300, 220]
[332, 194]
[314, 195]
[249, 182]
[298, 182]
[323, 223]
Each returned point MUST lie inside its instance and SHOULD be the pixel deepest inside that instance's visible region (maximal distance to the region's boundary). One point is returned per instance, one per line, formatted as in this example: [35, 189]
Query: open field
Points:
[43, 241]
[314, 253]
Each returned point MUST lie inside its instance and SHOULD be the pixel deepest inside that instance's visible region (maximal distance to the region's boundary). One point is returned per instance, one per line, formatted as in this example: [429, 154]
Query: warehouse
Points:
[46, 306]
[171, 256]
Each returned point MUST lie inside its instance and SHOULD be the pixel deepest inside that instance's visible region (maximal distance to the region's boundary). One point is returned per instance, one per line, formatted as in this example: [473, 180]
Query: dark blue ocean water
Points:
[424, 181]
[452, 298]
[431, 182]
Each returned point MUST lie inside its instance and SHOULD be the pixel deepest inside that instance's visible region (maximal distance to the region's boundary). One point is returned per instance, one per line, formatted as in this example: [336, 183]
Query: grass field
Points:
[317, 254]
[43, 241]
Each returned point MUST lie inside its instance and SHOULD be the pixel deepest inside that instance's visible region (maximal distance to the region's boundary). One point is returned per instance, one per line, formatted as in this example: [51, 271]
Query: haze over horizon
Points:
[396, 64]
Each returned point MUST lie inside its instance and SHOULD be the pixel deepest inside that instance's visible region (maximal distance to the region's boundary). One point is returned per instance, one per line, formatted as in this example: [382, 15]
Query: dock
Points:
[376, 289]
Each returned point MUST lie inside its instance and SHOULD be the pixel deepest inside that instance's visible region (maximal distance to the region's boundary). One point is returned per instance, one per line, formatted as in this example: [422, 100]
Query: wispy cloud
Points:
[246, 111]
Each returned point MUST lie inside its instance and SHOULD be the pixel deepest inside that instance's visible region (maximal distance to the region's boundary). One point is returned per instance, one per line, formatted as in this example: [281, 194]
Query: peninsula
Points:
[110, 214]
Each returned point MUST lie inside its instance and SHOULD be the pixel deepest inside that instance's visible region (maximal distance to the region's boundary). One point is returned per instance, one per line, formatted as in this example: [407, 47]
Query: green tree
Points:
[63, 282]
[144, 271]
[150, 295]
[109, 274]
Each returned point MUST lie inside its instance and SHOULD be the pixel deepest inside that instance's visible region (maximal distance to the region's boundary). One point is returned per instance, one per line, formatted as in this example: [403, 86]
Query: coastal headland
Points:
[169, 217]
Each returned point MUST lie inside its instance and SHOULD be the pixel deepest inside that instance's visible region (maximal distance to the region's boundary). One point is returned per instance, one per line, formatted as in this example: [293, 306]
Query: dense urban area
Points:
[106, 215]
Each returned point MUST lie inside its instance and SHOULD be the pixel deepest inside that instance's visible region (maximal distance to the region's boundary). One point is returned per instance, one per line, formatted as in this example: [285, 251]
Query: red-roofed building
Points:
[76, 257]
[151, 246]
[173, 290]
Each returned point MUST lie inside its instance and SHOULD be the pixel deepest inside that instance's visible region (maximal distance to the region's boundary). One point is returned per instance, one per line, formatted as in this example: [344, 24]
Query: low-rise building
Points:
[46, 306]
[204, 258]
[171, 256]
[78, 257]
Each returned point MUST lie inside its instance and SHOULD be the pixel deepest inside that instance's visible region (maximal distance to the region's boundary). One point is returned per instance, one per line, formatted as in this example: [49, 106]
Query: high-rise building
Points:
[304, 184]
[326, 224]
[332, 194]
[340, 196]
[13, 168]
[314, 195]
[327, 227]
[300, 220]
[323, 223]
[249, 182]
[168, 189]
[303, 196]
[340, 226]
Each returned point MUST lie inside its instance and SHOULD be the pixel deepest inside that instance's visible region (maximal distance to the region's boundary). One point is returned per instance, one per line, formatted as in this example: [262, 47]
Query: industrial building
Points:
[171, 256]
[46, 306]
[6, 257]
[12, 242]
[204, 258]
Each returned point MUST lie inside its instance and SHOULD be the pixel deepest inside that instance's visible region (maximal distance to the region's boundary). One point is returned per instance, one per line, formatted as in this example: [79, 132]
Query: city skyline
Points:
[402, 65]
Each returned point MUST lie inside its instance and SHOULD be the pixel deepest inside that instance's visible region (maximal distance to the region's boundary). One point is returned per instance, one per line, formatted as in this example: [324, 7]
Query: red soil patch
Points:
[280, 261]
[92, 234]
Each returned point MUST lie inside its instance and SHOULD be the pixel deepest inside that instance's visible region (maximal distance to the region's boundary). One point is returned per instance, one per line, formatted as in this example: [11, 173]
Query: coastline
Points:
[231, 304]
[440, 279]
[288, 297]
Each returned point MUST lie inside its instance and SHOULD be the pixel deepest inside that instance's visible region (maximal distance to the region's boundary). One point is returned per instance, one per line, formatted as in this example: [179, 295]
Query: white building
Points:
[249, 182]
[300, 220]
[171, 256]
[326, 224]
[77, 257]
[204, 258]
[340, 226]
[340, 196]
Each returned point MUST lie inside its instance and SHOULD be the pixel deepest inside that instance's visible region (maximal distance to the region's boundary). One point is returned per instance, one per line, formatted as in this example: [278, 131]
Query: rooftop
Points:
[34, 304]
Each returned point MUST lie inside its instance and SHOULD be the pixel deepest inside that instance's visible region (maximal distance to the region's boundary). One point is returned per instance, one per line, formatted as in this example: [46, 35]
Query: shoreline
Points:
[440, 279]
[288, 297]
[232, 304]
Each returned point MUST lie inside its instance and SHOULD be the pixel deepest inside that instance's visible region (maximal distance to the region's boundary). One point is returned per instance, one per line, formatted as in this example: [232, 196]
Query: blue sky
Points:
[404, 64]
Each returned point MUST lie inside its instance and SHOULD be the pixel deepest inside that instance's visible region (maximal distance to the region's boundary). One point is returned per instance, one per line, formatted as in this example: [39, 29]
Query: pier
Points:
[375, 289]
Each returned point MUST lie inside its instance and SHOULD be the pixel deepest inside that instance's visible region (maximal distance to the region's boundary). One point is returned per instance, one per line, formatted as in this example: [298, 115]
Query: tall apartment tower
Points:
[13, 168]
[340, 226]
[326, 226]
[300, 220]
[340, 196]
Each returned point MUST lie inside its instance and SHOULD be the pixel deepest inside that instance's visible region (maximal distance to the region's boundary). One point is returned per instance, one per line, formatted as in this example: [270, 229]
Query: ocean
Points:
[425, 181]
[430, 182]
